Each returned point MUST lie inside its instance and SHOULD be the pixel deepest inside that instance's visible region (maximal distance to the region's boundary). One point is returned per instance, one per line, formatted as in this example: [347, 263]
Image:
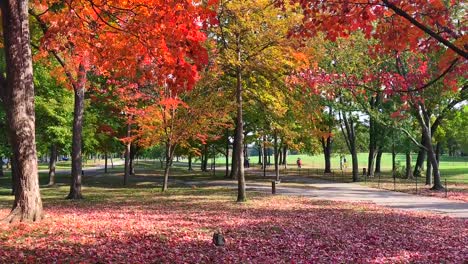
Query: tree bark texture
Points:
[378, 161]
[78, 113]
[17, 91]
[241, 194]
[409, 170]
[326, 146]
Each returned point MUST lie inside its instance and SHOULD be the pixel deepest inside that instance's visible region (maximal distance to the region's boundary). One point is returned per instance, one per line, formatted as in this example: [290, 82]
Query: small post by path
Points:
[273, 187]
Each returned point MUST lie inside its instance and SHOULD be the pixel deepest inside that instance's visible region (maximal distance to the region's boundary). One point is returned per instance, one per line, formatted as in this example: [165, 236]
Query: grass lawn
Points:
[139, 224]
[455, 169]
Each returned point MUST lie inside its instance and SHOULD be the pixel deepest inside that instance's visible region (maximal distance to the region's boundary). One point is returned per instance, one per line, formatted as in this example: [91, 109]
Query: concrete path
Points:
[354, 192]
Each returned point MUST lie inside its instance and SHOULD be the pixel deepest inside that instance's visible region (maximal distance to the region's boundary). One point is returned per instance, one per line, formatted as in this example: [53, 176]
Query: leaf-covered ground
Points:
[141, 225]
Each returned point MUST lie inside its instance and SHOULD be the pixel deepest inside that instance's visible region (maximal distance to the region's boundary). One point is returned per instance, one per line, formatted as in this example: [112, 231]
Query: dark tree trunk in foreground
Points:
[78, 113]
[52, 162]
[378, 161]
[17, 92]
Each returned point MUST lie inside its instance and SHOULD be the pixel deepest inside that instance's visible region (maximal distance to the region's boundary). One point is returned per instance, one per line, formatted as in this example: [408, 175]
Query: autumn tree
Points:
[250, 34]
[17, 94]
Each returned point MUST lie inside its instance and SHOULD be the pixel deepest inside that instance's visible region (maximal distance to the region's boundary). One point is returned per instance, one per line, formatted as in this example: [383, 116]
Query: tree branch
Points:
[426, 29]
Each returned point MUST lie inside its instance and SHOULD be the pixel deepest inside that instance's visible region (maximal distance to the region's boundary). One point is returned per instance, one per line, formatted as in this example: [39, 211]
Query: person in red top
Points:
[299, 163]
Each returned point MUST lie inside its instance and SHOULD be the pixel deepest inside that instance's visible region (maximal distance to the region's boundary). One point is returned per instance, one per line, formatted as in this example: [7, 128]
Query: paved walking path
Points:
[354, 192]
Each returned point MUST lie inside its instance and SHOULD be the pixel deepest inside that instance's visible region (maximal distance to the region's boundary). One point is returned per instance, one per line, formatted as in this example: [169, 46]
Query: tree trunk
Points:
[234, 167]
[420, 159]
[204, 165]
[409, 170]
[105, 161]
[285, 157]
[241, 194]
[275, 153]
[428, 171]
[2, 174]
[265, 153]
[378, 161]
[127, 156]
[227, 154]
[14, 175]
[17, 92]
[326, 146]
[78, 112]
[52, 162]
[370, 159]
[169, 157]
[190, 162]
[259, 153]
[132, 159]
[354, 158]
[349, 133]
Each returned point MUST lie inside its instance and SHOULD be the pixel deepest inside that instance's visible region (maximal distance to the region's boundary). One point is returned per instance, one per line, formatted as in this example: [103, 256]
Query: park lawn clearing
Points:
[143, 225]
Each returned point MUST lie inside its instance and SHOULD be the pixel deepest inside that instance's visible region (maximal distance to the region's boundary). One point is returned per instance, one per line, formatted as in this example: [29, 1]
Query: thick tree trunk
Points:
[326, 146]
[52, 162]
[275, 153]
[378, 161]
[17, 92]
[428, 172]
[370, 160]
[14, 175]
[241, 194]
[409, 170]
[76, 171]
[420, 159]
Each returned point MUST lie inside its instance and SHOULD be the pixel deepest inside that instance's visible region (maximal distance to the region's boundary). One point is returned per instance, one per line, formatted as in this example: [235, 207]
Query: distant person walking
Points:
[299, 163]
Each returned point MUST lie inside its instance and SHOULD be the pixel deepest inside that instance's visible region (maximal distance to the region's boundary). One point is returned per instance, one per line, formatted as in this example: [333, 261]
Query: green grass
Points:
[455, 169]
